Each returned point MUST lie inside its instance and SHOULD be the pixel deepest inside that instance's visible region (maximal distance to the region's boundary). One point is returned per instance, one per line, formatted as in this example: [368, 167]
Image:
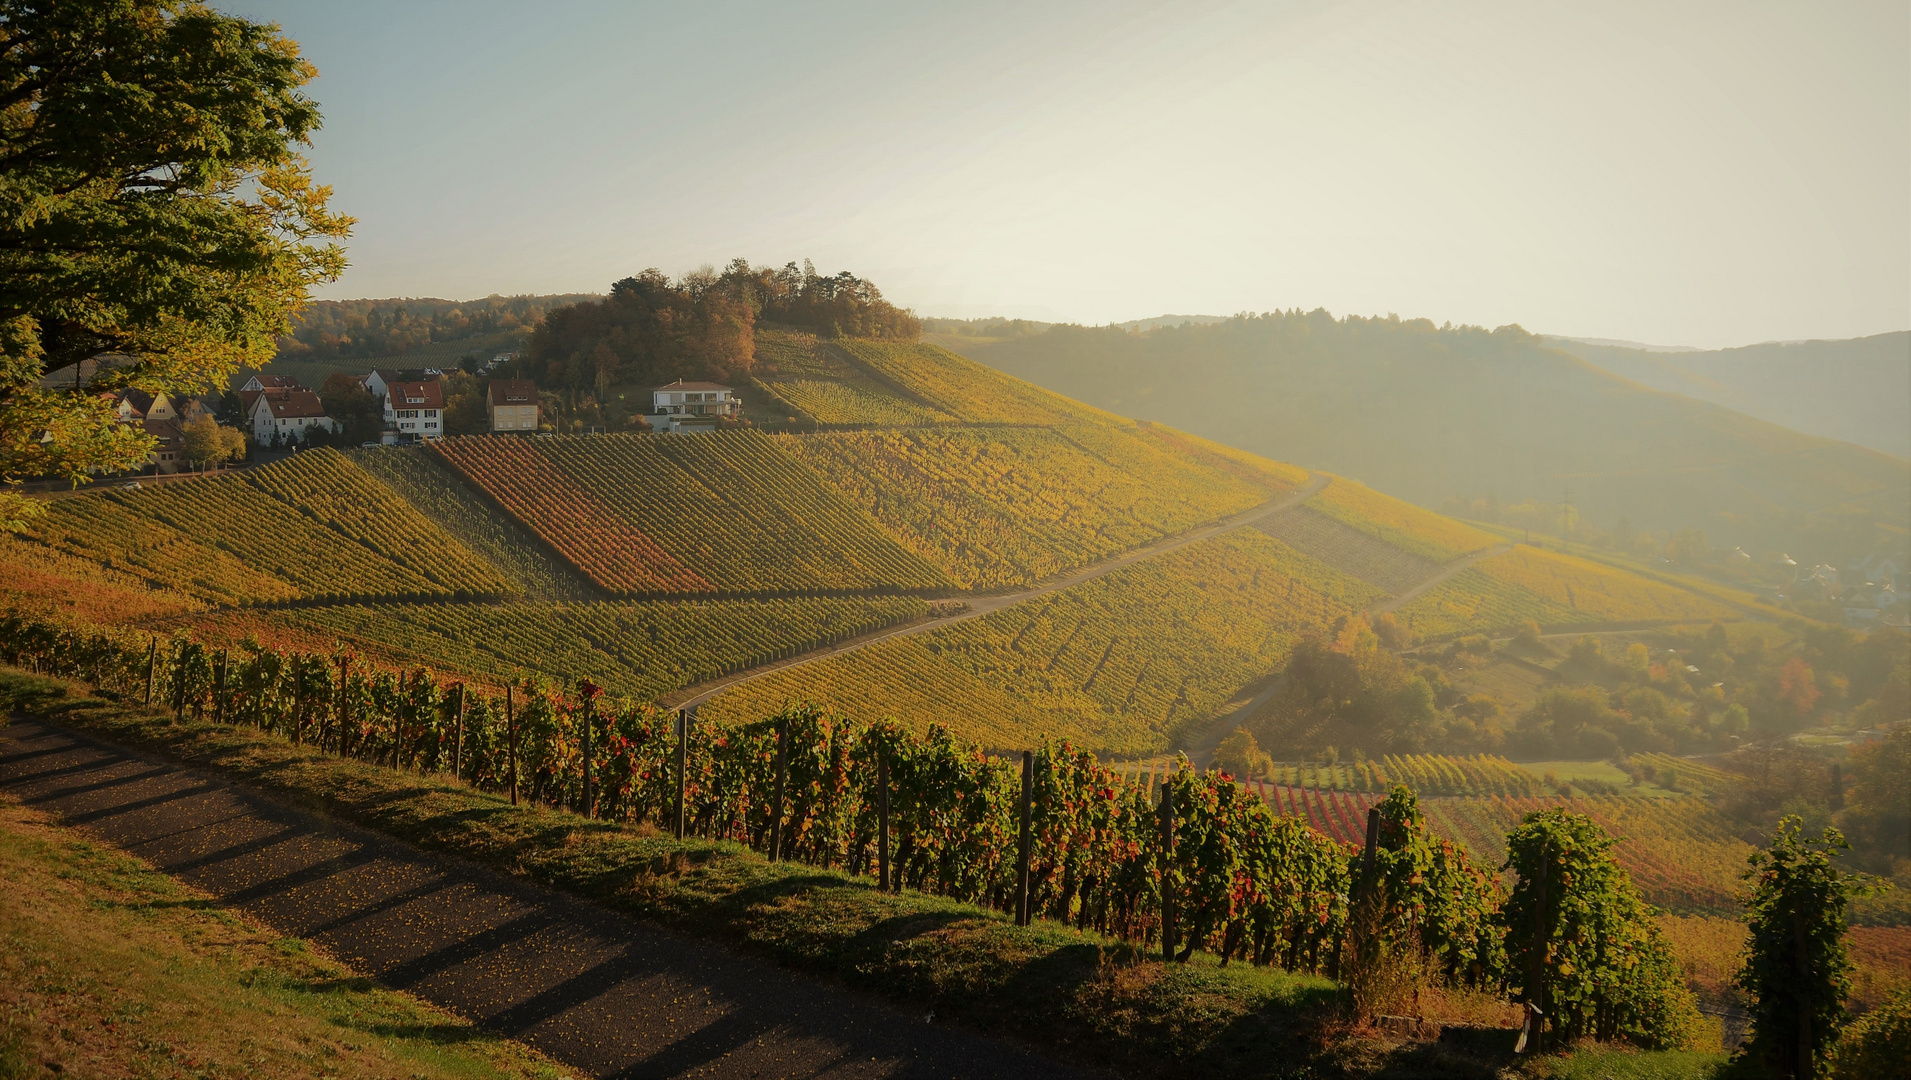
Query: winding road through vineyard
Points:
[979, 606]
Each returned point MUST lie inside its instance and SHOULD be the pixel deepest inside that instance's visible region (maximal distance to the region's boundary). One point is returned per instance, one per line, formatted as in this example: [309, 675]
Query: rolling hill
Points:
[1427, 413]
[935, 541]
[1858, 390]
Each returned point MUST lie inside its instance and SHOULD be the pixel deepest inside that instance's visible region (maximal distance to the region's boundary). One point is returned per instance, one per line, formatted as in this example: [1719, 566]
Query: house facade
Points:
[279, 416]
[513, 405]
[414, 411]
[692, 406]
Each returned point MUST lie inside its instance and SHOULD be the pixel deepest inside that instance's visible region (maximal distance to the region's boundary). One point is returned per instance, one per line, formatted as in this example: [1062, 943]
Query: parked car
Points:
[132, 485]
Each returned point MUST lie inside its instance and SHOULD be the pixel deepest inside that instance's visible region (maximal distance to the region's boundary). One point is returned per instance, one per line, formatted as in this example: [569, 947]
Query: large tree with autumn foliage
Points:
[158, 226]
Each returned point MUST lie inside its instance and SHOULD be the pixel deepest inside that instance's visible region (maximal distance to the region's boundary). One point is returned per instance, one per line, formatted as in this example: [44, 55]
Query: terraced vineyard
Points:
[806, 373]
[727, 511]
[1403, 525]
[1003, 507]
[1427, 774]
[638, 649]
[1554, 590]
[1349, 550]
[965, 389]
[312, 526]
[1119, 663]
[437, 491]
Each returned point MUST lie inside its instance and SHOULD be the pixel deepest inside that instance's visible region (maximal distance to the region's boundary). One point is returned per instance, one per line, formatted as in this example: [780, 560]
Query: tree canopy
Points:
[158, 226]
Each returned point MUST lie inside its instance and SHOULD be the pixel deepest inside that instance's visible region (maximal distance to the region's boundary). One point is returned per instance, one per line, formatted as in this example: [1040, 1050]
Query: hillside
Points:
[1857, 390]
[949, 546]
[1429, 413]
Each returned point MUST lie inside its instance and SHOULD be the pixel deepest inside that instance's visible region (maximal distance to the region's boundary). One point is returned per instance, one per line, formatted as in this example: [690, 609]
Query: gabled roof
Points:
[682, 385]
[415, 395]
[298, 404]
[166, 431]
[513, 392]
[278, 382]
[140, 401]
[393, 375]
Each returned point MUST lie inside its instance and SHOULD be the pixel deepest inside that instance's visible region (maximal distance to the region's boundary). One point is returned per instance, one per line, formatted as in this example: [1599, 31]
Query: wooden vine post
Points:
[1367, 857]
[883, 879]
[219, 688]
[1805, 1069]
[1166, 863]
[589, 691]
[683, 762]
[341, 723]
[1022, 851]
[776, 803]
[1536, 960]
[298, 700]
[152, 653]
[511, 740]
[457, 742]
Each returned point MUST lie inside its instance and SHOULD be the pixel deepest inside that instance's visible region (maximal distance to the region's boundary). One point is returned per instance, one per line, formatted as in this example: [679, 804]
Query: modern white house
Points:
[286, 415]
[513, 405]
[692, 406]
[414, 411]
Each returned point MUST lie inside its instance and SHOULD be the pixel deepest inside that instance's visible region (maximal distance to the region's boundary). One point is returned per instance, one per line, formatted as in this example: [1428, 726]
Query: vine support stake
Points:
[1367, 857]
[457, 743]
[883, 878]
[344, 706]
[1536, 960]
[1022, 851]
[511, 741]
[590, 797]
[782, 774]
[1805, 1067]
[1166, 860]
[683, 761]
[152, 653]
[298, 700]
[219, 688]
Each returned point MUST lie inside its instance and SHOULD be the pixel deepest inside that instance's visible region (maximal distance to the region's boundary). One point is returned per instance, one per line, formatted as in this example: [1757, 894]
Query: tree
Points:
[1241, 756]
[360, 417]
[1879, 811]
[1796, 967]
[1581, 945]
[1876, 1044]
[206, 442]
[157, 226]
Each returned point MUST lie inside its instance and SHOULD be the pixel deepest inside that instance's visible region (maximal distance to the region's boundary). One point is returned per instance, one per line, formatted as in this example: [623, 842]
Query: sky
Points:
[1688, 174]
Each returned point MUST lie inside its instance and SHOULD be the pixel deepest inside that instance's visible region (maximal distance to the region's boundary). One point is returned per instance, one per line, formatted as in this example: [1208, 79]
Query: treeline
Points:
[339, 329]
[653, 329]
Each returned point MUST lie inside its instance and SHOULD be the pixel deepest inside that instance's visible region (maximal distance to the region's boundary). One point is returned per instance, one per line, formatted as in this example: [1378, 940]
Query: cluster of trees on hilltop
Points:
[652, 328]
[336, 329]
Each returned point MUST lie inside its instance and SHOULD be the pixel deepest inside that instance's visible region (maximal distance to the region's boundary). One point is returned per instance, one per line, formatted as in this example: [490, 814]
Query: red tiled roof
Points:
[416, 395]
[513, 392]
[295, 404]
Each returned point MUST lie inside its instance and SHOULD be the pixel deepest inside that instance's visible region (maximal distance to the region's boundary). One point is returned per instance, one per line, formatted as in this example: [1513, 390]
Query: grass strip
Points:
[111, 968]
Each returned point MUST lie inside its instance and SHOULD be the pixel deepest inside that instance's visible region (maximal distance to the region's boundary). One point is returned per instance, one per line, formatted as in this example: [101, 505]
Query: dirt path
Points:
[605, 995]
[1446, 571]
[692, 696]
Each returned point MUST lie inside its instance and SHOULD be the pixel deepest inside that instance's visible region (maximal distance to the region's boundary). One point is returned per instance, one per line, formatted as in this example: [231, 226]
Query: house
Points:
[414, 411]
[132, 405]
[379, 380]
[513, 405]
[271, 382]
[279, 416]
[692, 406]
[169, 450]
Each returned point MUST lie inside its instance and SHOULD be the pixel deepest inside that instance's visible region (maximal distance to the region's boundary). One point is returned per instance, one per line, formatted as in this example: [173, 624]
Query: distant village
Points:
[277, 412]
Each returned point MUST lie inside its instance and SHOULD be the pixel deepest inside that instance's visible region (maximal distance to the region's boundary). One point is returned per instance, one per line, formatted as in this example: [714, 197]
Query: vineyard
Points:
[727, 511]
[1428, 774]
[1005, 507]
[846, 401]
[965, 389]
[437, 491]
[312, 526]
[638, 649]
[1501, 591]
[1119, 663]
[1349, 550]
[1418, 532]
[39, 579]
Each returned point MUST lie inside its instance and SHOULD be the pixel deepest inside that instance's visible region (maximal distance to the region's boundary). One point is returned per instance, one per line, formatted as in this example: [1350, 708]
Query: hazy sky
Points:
[1673, 173]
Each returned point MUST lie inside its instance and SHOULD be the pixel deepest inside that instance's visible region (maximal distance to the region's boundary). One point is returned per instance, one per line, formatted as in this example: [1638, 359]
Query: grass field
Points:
[108, 968]
[312, 526]
[636, 649]
[1117, 664]
[1405, 526]
[1003, 507]
[1501, 591]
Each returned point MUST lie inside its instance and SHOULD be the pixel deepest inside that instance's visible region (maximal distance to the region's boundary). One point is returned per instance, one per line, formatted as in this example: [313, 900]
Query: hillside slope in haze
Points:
[1857, 390]
[1428, 413]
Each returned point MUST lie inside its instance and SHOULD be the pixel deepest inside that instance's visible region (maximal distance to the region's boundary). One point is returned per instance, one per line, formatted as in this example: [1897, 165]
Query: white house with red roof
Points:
[692, 406]
[414, 411]
[281, 415]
